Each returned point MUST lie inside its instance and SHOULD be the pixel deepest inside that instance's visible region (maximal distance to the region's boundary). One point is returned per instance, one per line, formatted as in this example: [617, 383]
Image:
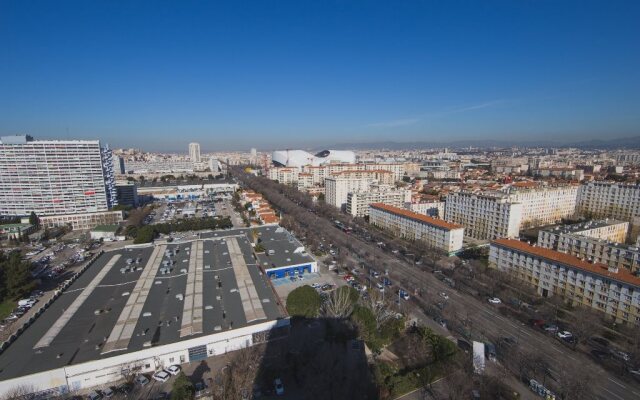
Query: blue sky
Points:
[269, 74]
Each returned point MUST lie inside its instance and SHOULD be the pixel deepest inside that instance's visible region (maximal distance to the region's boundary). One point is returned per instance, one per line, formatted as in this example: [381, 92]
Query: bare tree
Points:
[19, 392]
[339, 304]
[585, 323]
[239, 376]
[573, 383]
[379, 308]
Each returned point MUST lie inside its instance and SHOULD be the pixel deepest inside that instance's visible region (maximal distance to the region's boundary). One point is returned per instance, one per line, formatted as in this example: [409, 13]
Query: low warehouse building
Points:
[144, 308]
[106, 232]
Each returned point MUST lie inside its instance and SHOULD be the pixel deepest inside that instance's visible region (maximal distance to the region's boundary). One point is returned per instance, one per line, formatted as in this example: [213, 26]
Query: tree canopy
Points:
[304, 302]
[15, 276]
[182, 388]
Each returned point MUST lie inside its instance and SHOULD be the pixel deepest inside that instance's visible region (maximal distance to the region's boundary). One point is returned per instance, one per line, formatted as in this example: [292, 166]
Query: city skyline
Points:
[270, 75]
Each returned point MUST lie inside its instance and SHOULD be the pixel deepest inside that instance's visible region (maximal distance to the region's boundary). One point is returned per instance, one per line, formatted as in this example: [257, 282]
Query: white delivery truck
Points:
[478, 357]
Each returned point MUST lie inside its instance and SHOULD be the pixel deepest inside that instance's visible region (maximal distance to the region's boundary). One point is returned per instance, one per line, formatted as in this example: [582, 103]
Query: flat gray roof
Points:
[84, 335]
[278, 239]
[582, 226]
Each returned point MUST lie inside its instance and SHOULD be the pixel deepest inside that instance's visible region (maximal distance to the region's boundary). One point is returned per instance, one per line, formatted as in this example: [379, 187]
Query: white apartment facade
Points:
[614, 291]
[284, 175]
[608, 230]
[433, 209]
[82, 220]
[337, 189]
[314, 176]
[485, 217]
[546, 204]
[358, 202]
[435, 233]
[601, 251]
[609, 200]
[55, 177]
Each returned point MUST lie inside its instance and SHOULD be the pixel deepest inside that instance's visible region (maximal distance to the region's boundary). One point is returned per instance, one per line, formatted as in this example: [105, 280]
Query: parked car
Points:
[600, 354]
[94, 395]
[174, 369]
[444, 295]
[564, 334]
[495, 300]
[598, 342]
[550, 328]
[441, 321]
[141, 380]
[109, 392]
[279, 387]
[162, 376]
[621, 355]
[125, 388]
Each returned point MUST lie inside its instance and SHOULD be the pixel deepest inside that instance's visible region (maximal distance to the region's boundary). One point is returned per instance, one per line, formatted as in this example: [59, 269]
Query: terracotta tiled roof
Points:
[622, 275]
[417, 217]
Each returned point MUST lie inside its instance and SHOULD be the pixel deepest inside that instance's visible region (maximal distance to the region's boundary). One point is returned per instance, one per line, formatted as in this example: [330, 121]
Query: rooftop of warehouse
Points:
[105, 228]
[85, 336]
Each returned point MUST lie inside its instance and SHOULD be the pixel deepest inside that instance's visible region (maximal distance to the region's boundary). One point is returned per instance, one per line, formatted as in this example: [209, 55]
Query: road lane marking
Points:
[610, 392]
[617, 383]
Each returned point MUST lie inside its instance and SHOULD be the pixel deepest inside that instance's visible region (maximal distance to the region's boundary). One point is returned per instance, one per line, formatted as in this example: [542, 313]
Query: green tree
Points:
[304, 302]
[16, 279]
[33, 219]
[146, 234]
[182, 388]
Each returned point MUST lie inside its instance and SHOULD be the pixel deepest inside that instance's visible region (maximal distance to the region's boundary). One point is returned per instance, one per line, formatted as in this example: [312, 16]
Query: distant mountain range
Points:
[619, 143]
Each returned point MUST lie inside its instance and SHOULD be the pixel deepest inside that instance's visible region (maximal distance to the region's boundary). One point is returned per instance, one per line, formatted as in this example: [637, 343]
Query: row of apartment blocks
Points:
[432, 232]
[595, 241]
[610, 200]
[314, 176]
[612, 290]
[500, 214]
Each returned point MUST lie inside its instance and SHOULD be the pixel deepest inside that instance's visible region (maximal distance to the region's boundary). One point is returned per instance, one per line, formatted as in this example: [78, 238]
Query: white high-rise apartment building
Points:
[194, 152]
[337, 189]
[435, 233]
[545, 205]
[484, 217]
[609, 200]
[54, 177]
[358, 202]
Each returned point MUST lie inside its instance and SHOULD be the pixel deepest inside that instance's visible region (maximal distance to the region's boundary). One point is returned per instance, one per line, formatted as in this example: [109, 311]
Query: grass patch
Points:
[6, 307]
